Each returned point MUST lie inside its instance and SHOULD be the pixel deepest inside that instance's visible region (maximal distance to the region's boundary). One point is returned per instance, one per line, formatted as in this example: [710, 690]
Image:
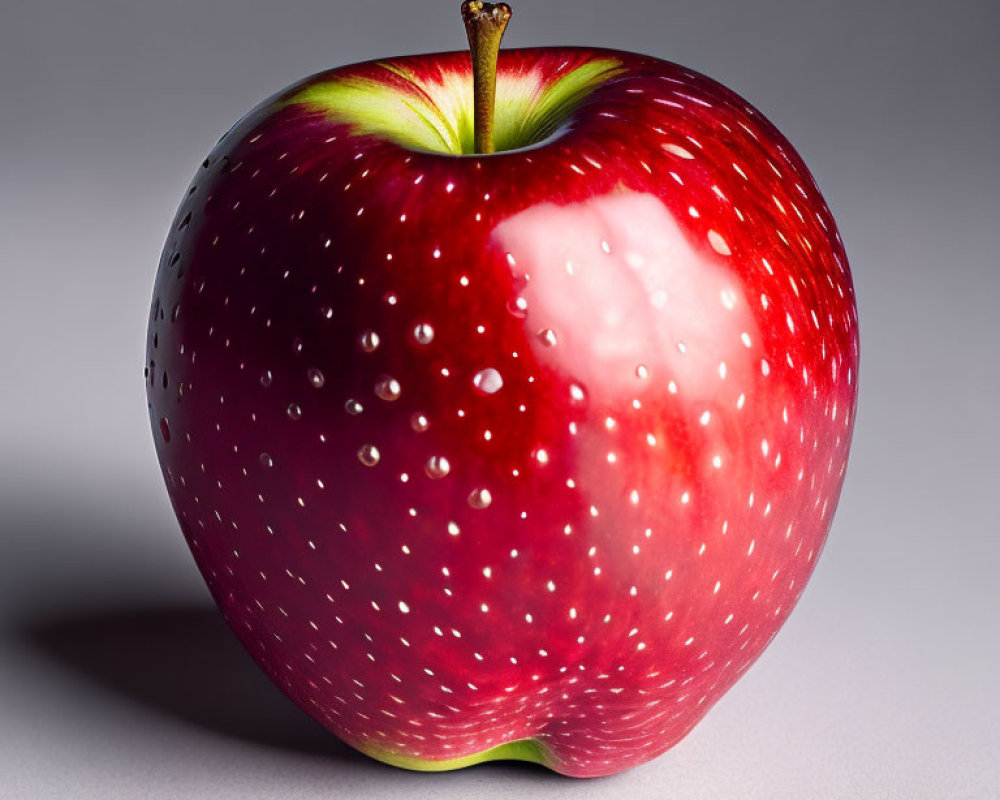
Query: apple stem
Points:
[485, 24]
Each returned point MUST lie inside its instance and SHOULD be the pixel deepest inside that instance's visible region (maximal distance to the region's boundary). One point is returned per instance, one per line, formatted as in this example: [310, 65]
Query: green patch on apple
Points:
[530, 750]
[423, 115]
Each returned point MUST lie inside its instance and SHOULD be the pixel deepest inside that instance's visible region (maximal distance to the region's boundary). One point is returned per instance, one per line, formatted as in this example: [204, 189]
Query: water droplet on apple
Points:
[369, 341]
[480, 498]
[266, 378]
[297, 344]
[353, 407]
[518, 307]
[437, 467]
[266, 460]
[294, 412]
[541, 455]
[419, 422]
[547, 337]
[369, 455]
[577, 394]
[165, 429]
[488, 381]
[641, 372]
[387, 388]
[423, 333]
[316, 378]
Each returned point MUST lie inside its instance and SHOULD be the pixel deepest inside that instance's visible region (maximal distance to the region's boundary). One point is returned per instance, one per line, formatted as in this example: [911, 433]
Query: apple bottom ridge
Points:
[519, 750]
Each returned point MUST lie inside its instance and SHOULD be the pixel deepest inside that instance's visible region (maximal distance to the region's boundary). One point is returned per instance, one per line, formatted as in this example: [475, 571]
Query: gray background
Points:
[117, 680]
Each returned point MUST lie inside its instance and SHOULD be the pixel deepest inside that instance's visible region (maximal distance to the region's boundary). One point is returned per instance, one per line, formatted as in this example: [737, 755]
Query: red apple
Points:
[525, 455]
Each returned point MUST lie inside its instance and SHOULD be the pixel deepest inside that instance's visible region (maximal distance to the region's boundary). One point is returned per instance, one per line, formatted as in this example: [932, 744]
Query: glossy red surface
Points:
[639, 337]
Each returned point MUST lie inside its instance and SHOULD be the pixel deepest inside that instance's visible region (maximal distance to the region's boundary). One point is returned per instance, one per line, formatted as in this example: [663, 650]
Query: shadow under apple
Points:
[182, 662]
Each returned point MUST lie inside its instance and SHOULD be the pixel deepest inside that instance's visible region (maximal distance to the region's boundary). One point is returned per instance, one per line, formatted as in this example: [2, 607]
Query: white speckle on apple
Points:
[677, 150]
[719, 244]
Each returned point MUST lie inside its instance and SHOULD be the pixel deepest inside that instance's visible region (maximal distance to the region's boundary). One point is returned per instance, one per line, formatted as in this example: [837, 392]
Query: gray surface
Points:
[117, 680]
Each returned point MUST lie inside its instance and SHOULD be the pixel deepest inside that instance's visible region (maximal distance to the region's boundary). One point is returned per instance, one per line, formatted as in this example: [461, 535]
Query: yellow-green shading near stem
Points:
[520, 750]
[437, 115]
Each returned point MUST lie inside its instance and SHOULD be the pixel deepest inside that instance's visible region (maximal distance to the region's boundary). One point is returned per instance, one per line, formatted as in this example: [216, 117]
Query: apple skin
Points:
[663, 458]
